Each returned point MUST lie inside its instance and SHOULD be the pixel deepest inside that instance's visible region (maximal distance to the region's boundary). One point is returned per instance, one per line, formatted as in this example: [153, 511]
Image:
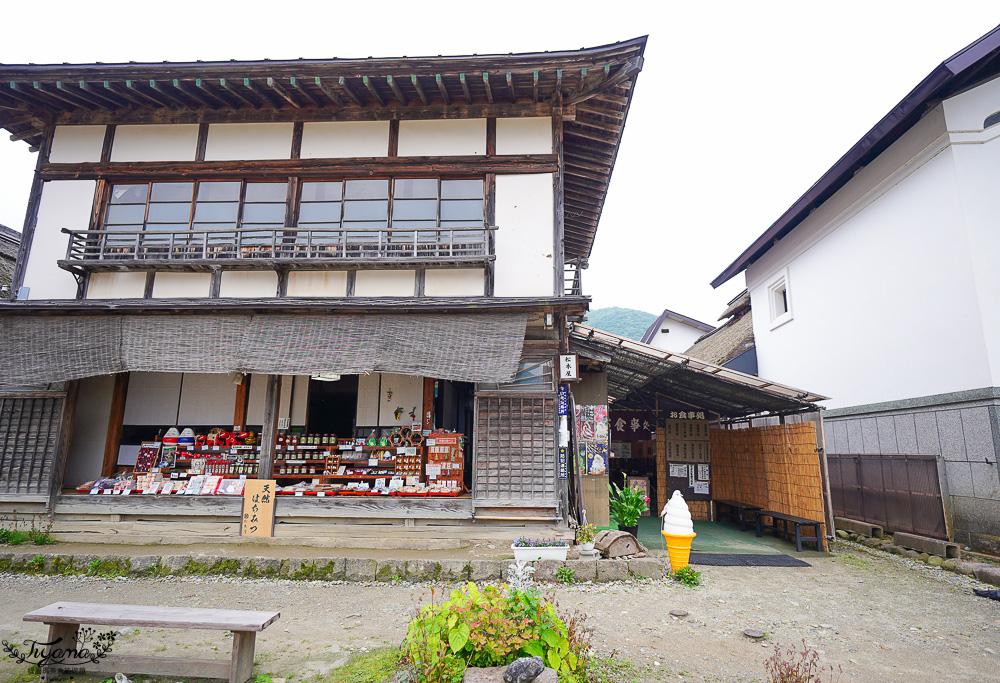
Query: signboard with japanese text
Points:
[258, 508]
[632, 425]
[592, 438]
[563, 400]
[568, 367]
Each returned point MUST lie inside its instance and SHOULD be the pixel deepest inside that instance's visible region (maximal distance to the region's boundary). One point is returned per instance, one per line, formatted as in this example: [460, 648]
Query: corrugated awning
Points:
[638, 373]
[482, 347]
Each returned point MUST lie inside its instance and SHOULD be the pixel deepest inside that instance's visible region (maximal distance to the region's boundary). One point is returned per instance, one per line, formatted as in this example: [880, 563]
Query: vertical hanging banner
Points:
[563, 399]
[258, 508]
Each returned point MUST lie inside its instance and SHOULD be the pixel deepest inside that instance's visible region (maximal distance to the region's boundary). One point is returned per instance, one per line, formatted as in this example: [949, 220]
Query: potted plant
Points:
[530, 549]
[627, 503]
[585, 537]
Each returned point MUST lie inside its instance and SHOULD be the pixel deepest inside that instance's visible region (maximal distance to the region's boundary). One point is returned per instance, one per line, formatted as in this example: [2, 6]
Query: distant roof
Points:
[637, 373]
[591, 87]
[730, 339]
[650, 332]
[970, 66]
[10, 240]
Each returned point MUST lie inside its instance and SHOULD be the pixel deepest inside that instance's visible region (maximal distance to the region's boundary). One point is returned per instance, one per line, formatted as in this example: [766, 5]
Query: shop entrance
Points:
[333, 405]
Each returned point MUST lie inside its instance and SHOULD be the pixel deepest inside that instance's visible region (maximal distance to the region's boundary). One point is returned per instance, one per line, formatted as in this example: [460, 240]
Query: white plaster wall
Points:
[71, 144]
[385, 283]
[90, 430]
[407, 393]
[317, 283]
[181, 285]
[454, 282]
[116, 286]
[345, 139]
[968, 110]
[163, 142]
[299, 399]
[65, 204]
[207, 399]
[237, 141]
[885, 304]
[248, 284]
[524, 135]
[152, 398]
[680, 337]
[443, 137]
[524, 241]
[255, 401]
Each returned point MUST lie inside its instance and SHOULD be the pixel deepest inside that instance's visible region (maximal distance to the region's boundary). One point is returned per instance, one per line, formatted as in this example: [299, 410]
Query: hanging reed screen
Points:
[29, 436]
[516, 448]
[775, 467]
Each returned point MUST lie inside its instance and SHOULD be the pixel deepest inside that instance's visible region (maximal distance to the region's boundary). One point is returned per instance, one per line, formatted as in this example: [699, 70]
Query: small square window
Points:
[779, 300]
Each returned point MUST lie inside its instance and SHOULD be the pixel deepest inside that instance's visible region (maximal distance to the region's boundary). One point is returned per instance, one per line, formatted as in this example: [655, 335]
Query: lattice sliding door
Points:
[515, 448]
[29, 437]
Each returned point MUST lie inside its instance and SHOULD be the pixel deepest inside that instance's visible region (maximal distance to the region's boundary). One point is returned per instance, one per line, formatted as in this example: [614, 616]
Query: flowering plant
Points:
[627, 503]
[586, 533]
[525, 542]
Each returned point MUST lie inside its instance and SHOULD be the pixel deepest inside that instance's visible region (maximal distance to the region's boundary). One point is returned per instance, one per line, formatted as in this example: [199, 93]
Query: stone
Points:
[923, 557]
[754, 634]
[584, 569]
[611, 570]
[391, 570]
[174, 563]
[141, 563]
[648, 568]
[485, 570]
[454, 570]
[912, 554]
[617, 544]
[935, 561]
[988, 573]
[420, 570]
[950, 565]
[969, 568]
[841, 534]
[871, 542]
[679, 613]
[545, 571]
[328, 568]
[524, 670]
[897, 550]
[267, 566]
[495, 675]
[359, 569]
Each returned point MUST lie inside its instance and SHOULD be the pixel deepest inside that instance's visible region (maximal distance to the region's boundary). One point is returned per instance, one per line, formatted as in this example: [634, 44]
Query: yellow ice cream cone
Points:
[679, 548]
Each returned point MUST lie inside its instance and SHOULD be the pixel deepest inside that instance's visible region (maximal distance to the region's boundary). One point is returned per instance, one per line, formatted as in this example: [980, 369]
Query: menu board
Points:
[592, 438]
[693, 480]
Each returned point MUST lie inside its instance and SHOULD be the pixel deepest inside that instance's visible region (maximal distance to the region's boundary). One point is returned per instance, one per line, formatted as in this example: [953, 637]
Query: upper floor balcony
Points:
[278, 248]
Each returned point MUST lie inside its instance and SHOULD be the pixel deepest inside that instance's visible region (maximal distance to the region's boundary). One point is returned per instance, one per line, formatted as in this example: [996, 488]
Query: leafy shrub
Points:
[33, 534]
[492, 627]
[797, 666]
[586, 533]
[566, 575]
[688, 576]
[627, 503]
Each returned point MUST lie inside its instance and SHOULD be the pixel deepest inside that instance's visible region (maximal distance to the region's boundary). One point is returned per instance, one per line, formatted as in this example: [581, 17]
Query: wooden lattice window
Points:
[516, 448]
[29, 437]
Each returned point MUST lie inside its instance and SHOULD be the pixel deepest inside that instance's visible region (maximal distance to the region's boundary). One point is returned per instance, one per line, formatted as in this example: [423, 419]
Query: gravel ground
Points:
[880, 617]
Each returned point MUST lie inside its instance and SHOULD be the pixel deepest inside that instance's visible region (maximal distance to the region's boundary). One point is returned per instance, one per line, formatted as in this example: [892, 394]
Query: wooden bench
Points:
[730, 510]
[64, 619]
[788, 525]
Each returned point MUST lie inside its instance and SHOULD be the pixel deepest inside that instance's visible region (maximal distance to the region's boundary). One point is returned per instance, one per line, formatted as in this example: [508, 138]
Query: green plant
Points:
[566, 575]
[586, 533]
[16, 536]
[368, 667]
[525, 542]
[627, 502]
[491, 627]
[688, 576]
[36, 564]
[798, 666]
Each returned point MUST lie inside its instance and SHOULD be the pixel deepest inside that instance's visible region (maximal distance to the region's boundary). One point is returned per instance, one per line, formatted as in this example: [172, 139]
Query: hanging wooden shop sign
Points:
[568, 367]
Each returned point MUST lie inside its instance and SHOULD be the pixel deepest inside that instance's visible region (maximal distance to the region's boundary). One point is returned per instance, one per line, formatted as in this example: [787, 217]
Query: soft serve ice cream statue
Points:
[678, 530]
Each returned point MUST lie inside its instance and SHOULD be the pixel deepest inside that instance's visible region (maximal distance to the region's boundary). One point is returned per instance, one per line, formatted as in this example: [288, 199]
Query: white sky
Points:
[740, 106]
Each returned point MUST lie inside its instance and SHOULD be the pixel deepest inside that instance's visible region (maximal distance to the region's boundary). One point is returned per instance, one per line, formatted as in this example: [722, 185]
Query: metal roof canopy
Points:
[637, 373]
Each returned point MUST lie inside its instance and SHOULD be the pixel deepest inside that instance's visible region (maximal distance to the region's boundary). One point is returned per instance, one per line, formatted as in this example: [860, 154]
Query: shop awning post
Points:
[272, 396]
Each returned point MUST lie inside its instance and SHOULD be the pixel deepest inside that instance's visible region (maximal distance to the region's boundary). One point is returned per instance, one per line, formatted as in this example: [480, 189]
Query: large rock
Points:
[485, 570]
[612, 570]
[174, 563]
[524, 670]
[585, 570]
[546, 570]
[648, 568]
[494, 674]
[988, 573]
[359, 569]
[391, 570]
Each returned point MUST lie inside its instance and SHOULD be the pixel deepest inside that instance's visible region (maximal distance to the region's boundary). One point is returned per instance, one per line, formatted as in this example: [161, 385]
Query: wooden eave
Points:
[589, 89]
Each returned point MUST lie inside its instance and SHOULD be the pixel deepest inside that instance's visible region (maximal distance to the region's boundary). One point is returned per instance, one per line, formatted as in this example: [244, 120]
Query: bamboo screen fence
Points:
[775, 467]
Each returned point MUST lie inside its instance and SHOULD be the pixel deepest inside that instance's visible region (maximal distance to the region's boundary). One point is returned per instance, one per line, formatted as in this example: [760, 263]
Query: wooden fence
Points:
[30, 426]
[776, 467]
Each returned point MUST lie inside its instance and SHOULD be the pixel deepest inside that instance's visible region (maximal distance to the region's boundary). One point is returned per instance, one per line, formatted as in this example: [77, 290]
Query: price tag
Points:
[107, 492]
[432, 442]
[410, 450]
[291, 448]
[216, 448]
[372, 462]
[298, 494]
[94, 492]
[243, 476]
[321, 494]
[401, 450]
[173, 475]
[359, 448]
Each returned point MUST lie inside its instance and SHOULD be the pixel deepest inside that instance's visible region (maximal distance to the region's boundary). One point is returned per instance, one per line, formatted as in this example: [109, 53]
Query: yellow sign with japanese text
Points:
[258, 508]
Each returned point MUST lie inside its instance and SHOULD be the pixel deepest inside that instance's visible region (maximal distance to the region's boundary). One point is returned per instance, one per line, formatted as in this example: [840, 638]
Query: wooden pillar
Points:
[115, 420]
[272, 398]
[427, 419]
[61, 455]
[242, 398]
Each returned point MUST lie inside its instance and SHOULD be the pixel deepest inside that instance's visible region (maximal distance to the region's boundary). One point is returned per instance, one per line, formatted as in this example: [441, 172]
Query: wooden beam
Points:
[510, 87]
[489, 90]
[236, 93]
[128, 95]
[67, 421]
[284, 94]
[248, 84]
[105, 95]
[19, 93]
[534, 86]
[443, 89]
[328, 91]
[346, 87]
[396, 90]
[300, 89]
[242, 399]
[583, 80]
[465, 87]
[419, 88]
[25, 134]
[204, 87]
[78, 95]
[370, 86]
[58, 98]
[188, 90]
[381, 166]
[148, 92]
[115, 420]
[269, 433]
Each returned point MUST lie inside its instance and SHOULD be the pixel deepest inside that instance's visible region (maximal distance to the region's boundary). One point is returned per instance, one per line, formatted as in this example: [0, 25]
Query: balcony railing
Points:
[573, 281]
[250, 248]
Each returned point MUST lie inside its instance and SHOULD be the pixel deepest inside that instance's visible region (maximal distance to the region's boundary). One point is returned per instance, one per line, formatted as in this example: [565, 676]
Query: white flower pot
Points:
[557, 552]
[587, 547]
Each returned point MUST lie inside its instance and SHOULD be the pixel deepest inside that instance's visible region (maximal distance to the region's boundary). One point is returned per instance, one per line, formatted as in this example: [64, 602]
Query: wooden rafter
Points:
[191, 91]
[534, 86]
[396, 90]
[329, 92]
[102, 94]
[415, 80]
[249, 85]
[370, 86]
[465, 87]
[275, 86]
[442, 88]
[79, 95]
[215, 96]
[510, 87]
[489, 90]
[297, 85]
[228, 87]
[343, 85]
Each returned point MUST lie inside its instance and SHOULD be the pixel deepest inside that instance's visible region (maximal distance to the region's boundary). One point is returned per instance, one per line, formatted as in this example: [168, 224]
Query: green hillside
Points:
[625, 322]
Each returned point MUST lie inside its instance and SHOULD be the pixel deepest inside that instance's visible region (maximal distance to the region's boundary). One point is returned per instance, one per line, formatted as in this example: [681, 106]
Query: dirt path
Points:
[880, 617]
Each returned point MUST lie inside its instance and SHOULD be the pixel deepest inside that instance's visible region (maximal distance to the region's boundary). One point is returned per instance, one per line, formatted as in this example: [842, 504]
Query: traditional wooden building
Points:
[208, 245]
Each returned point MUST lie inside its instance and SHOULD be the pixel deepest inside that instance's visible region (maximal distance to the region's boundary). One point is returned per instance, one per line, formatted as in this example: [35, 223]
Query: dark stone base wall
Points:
[962, 430]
